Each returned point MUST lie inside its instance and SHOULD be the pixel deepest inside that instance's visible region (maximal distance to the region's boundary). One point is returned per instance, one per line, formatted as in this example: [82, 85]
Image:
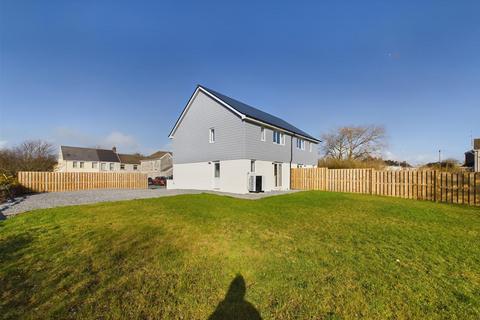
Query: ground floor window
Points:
[94, 165]
[74, 164]
[217, 170]
[277, 174]
[122, 167]
[111, 166]
[252, 165]
[135, 167]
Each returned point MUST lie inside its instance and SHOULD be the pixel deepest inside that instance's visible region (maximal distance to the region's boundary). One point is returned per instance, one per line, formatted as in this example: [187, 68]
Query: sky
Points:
[104, 73]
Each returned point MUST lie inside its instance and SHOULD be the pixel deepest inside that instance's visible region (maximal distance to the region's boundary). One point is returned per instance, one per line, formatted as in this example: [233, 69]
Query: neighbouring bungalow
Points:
[220, 143]
[77, 159]
[158, 164]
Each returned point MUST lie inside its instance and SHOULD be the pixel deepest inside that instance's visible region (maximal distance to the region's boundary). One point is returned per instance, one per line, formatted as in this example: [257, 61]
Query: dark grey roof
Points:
[257, 114]
[88, 154]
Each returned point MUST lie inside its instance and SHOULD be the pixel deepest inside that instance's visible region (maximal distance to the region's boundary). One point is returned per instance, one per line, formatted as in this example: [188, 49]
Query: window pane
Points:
[217, 170]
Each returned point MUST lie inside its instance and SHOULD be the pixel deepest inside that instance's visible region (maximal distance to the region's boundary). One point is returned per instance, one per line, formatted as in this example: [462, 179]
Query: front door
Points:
[277, 174]
[216, 175]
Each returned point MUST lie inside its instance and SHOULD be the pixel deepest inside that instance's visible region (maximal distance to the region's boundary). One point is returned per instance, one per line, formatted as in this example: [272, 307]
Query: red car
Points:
[160, 181]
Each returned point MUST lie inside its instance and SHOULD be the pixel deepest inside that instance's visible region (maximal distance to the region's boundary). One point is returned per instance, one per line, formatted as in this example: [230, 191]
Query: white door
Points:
[277, 175]
[216, 175]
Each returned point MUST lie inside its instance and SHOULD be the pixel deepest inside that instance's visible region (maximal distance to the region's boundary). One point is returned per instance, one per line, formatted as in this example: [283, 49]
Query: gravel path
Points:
[60, 199]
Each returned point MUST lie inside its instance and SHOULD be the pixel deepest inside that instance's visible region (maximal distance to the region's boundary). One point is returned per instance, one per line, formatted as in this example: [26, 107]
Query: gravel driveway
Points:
[59, 199]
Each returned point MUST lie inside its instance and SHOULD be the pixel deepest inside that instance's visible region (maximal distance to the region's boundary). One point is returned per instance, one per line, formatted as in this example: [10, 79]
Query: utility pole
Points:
[440, 158]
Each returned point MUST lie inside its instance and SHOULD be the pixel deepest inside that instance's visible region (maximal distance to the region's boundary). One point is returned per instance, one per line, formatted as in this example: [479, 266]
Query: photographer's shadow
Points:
[234, 305]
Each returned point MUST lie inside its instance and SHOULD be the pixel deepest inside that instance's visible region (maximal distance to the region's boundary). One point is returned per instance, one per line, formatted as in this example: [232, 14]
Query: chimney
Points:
[114, 149]
[476, 144]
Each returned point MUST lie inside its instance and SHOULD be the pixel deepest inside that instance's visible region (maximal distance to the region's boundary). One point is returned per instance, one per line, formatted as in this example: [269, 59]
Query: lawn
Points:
[297, 256]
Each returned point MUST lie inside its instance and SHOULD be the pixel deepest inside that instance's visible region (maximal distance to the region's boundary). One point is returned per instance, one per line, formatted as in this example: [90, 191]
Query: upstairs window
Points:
[111, 166]
[94, 165]
[262, 134]
[74, 164]
[252, 165]
[103, 166]
[82, 164]
[211, 135]
[278, 137]
[135, 167]
[300, 144]
[122, 167]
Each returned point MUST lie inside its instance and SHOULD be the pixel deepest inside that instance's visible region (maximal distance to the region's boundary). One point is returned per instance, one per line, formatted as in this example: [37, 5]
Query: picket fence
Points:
[73, 181]
[462, 188]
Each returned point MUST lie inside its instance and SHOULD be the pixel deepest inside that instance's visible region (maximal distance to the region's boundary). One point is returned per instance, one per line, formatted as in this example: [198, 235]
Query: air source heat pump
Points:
[256, 183]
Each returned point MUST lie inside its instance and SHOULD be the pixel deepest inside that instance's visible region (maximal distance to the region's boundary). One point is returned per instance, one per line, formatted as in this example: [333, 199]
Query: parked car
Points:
[160, 181]
[150, 181]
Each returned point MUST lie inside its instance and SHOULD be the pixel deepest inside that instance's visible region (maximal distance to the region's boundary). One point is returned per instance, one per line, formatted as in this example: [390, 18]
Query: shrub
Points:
[10, 188]
[333, 163]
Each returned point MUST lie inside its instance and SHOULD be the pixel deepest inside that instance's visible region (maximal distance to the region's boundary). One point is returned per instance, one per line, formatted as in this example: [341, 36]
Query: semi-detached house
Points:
[220, 143]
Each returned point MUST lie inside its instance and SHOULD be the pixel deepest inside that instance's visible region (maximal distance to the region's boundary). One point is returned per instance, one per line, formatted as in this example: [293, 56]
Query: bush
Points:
[10, 188]
[332, 163]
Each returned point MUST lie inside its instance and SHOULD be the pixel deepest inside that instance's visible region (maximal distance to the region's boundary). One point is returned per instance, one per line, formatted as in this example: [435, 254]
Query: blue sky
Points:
[119, 72]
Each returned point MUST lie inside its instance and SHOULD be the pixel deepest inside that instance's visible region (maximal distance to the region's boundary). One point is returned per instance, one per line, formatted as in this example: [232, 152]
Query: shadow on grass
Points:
[234, 306]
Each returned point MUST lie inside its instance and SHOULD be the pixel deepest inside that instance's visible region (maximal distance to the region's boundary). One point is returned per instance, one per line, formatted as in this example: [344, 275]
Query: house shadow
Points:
[234, 305]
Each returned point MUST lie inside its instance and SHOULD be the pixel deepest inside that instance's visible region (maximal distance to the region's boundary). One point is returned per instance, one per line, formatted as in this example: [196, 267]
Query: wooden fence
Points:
[463, 188]
[73, 181]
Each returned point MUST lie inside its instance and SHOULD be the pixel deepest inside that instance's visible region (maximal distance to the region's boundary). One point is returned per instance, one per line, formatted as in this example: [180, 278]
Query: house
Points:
[220, 143]
[77, 159]
[158, 164]
[472, 157]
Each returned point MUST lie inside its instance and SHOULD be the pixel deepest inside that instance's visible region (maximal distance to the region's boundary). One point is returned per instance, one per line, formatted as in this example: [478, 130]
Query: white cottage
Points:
[220, 143]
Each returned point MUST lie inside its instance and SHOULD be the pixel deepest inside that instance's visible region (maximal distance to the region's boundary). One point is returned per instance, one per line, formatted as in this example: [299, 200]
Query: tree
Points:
[354, 142]
[31, 155]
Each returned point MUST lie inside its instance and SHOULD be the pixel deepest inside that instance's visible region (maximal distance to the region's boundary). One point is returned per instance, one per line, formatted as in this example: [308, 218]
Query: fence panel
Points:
[461, 188]
[73, 181]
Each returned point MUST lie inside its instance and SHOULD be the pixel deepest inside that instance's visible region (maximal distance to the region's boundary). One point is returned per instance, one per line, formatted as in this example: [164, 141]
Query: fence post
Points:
[435, 185]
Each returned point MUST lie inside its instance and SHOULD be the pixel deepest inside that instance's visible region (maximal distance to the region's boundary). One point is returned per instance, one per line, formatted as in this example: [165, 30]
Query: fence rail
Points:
[463, 188]
[73, 181]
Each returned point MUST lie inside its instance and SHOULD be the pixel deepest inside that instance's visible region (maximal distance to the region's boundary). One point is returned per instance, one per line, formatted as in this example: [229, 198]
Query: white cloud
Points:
[125, 143]
[3, 144]
[121, 141]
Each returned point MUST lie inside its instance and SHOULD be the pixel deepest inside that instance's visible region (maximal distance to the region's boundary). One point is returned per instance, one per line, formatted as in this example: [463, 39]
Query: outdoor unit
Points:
[256, 183]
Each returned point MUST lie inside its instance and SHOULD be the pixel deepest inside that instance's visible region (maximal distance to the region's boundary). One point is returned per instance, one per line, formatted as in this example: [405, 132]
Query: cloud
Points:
[124, 142]
[3, 144]
[121, 140]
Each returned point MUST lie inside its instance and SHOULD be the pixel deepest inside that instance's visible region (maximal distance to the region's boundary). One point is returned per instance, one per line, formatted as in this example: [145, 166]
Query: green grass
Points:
[298, 256]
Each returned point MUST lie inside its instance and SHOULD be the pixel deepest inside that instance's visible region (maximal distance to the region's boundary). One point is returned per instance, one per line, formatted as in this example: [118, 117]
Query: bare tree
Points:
[354, 142]
[31, 155]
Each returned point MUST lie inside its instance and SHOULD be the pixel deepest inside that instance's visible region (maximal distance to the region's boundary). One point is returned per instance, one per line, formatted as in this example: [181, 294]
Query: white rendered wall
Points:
[234, 175]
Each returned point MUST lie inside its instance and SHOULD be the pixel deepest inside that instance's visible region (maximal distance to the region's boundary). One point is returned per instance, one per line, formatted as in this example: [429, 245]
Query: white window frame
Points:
[111, 166]
[300, 144]
[94, 165]
[103, 166]
[122, 166]
[280, 137]
[252, 165]
[74, 165]
[135, 167]
[211, 135]
[263, 134]
[81, 165]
